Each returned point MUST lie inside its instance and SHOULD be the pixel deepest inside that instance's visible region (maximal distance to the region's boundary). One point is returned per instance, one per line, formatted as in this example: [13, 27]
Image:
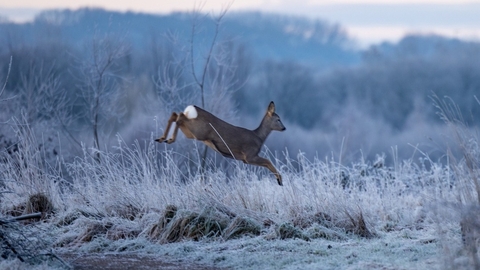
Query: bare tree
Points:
[215, 72]
[57, 105]
[100, 77]
[30, 99]
[170, 79]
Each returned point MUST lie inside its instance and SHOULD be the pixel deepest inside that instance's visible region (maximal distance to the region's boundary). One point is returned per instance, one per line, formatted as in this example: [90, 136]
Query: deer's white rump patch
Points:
[190, 112]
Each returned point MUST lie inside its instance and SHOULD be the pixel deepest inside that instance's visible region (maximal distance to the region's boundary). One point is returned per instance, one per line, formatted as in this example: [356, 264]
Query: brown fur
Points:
[229, 140]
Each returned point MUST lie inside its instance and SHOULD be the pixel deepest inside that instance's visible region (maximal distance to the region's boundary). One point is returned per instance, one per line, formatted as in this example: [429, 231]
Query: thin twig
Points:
[223, 141]
[20, 218]
[6, 79]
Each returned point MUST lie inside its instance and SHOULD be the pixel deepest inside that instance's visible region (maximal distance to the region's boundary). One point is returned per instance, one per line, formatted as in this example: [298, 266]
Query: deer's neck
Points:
[262, 131]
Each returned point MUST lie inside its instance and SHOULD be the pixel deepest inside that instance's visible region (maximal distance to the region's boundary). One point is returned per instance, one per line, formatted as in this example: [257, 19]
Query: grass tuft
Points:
[287, 231]
[242, 226]
[358, 226]
[159, 227]
[39, 203]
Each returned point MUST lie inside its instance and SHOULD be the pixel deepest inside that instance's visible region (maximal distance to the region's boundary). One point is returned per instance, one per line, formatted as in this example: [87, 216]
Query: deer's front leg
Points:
[172, 119]
[265, 163]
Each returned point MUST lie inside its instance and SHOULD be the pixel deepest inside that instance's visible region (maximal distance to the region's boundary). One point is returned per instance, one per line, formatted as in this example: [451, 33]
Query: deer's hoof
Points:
[160, 140]
[280, 181]
[169, 141]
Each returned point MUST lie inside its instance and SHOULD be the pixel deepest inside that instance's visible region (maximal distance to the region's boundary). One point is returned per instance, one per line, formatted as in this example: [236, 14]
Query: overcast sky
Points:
[369, 21]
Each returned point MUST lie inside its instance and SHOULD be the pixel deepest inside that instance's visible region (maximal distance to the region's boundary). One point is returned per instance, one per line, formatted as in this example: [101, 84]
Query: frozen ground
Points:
[396, 250]
[404, 249]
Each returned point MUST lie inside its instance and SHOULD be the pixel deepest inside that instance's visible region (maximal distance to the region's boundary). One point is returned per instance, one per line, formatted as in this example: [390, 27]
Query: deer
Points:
[230, 141]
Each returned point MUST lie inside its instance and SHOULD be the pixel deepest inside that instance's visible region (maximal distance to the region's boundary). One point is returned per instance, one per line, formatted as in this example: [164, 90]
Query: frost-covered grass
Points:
[139, 200]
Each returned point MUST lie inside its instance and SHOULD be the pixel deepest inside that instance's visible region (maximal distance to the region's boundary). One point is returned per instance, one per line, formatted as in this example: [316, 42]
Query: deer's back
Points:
[207, 127]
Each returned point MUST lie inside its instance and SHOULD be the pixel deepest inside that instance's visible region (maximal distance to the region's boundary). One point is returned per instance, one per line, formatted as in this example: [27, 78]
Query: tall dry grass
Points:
[465, 165]
[146, 191]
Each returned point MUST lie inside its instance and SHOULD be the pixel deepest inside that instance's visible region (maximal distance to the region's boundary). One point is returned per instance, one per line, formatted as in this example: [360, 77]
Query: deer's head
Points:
[272, 120]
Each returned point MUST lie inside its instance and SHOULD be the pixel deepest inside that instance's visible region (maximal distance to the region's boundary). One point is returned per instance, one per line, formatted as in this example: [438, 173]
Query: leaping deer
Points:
[229, 140]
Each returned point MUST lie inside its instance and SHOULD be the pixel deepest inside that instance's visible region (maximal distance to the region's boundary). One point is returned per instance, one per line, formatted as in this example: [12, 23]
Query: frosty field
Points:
[137, 201]
[406, 250]
[374, 176]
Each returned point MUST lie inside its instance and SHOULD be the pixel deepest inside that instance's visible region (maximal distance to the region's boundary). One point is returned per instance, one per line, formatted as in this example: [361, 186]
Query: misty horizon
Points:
[368, 24]
[355, 103]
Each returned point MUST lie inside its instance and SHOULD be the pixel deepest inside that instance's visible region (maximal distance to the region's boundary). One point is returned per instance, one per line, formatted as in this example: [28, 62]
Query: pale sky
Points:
[165, 6]
[368, 21]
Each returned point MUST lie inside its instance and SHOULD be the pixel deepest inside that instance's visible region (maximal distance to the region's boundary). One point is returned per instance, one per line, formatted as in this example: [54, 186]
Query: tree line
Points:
[91, 82]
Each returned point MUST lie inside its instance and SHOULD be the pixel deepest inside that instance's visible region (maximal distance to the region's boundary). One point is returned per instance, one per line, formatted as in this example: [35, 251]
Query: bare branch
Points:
[195, 17]
[218, 20]
[6, 79]
[20, 218]
[99, 78]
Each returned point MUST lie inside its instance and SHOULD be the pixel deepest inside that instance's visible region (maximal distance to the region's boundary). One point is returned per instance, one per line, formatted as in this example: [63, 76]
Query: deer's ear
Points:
[271, 108]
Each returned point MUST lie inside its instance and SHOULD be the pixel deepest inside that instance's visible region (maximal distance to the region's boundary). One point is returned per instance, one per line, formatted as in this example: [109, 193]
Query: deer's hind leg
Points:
[172, 119]
[179, 121]
[259, 161]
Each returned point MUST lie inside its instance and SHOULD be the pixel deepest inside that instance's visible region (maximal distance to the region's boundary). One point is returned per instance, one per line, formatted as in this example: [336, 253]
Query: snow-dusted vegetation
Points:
[378, 172]
[137, 200]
